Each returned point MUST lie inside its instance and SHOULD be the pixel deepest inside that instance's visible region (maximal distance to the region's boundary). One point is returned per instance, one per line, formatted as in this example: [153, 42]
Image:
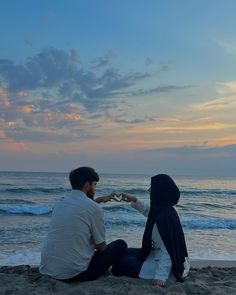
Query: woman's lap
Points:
[129, 264]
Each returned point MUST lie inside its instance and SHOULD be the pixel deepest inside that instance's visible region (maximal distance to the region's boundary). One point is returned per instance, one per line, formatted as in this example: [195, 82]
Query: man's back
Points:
[77, 225]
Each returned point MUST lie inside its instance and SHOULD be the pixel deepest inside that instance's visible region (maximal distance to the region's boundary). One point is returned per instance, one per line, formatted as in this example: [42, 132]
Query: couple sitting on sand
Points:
[75, 248]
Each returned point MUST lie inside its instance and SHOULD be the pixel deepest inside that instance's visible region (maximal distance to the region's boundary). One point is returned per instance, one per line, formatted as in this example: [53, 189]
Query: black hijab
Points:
[163, 196]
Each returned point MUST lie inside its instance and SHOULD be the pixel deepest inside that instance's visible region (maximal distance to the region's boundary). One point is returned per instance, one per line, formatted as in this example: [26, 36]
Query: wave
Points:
[126, 222]
[207, 192]
[25, 209]
[118, 208]
[196, 223]
[34, 190]
[19, 257]
[121, 215]
[208, 222]
[203, 205]
[15, 201]
[135, 191]
[7, 188]
[17, 206]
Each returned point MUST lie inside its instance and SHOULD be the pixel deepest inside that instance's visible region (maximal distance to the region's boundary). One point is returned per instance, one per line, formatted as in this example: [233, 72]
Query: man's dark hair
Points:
[79, 176]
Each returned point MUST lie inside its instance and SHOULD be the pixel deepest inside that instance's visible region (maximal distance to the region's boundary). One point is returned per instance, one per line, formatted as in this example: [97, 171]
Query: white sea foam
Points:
[25, 209]
[18, 257]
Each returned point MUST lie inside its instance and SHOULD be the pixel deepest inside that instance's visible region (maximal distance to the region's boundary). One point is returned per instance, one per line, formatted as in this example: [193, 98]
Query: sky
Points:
[124, 86]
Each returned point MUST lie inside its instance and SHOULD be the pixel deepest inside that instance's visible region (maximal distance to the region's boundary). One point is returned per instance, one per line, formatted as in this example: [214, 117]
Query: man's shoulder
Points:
[94, 205]
[80, 197]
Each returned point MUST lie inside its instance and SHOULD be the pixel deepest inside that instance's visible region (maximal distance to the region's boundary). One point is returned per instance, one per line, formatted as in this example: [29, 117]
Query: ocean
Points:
[207, 209]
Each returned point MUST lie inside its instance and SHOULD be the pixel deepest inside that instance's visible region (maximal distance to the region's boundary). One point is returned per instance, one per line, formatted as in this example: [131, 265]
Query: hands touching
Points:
[128, 198]
[115, 197]
[106, 199]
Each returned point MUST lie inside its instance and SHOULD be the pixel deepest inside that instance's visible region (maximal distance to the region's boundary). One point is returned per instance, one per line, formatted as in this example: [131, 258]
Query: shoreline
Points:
[203, 263]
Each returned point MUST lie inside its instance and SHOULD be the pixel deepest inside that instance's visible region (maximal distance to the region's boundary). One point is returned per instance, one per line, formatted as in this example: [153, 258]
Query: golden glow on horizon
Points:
[183, 128]
[11, 146]
[203, 125]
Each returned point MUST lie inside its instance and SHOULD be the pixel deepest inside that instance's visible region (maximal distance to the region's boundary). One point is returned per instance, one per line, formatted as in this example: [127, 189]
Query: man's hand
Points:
[159, 283]
[128, 198]
[105, 198]
[101, 247]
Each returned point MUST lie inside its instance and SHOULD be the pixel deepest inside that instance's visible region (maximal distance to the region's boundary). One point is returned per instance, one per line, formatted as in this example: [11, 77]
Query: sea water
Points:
[207, 210]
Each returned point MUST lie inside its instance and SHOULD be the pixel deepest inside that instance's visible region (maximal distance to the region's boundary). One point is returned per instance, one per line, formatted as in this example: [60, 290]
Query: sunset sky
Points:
[124, 86]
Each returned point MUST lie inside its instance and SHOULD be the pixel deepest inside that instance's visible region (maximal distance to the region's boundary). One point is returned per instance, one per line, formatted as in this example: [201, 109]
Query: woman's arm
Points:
[136, 204]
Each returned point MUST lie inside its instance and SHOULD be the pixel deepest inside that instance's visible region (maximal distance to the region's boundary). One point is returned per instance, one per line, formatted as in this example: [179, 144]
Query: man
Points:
[75, 248]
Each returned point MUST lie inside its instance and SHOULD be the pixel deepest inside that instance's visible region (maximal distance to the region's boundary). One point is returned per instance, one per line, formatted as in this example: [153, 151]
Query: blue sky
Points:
[124, 86]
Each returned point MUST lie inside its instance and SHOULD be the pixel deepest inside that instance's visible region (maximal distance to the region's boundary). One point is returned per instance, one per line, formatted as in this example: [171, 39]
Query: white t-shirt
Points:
[158, 263]
[77, 225]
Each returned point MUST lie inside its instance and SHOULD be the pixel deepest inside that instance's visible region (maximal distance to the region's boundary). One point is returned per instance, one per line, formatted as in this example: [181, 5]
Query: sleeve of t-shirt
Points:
[97, 226]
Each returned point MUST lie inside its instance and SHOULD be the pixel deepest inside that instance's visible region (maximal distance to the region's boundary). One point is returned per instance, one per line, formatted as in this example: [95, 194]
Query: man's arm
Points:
[97, 228]
[105, 198]
[101, 247]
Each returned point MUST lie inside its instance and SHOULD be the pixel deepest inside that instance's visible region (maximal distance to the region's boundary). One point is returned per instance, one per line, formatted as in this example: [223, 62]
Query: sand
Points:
[206, 277]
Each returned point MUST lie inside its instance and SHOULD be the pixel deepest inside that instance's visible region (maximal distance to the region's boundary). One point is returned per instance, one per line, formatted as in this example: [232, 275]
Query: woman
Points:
[163, 246]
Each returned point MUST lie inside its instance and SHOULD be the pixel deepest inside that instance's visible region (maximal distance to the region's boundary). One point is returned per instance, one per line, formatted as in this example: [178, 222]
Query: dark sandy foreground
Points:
[27, 280]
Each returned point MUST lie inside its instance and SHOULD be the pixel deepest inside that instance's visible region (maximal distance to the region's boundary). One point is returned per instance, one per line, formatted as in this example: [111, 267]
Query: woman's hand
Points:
[128, 198]
[159, 283]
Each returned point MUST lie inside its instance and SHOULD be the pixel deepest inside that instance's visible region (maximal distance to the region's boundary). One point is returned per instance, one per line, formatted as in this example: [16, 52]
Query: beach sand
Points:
[206, 277]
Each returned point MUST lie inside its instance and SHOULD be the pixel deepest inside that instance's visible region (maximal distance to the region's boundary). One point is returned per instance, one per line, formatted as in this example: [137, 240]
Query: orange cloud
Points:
[2, 134]
[222, 141]
[27, 109]
[70, 117]
[4, 101]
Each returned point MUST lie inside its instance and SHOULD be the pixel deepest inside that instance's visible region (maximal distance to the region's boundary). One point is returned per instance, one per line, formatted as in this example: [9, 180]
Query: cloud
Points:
[2, 134]
[216, 104]
[4, 100]
[103, 60]
[229, 46]
[226, 88]
[47, 136]
[148, 61]
[28, 42]
[184, 128]
[227, 101]
[134, 121]
[45, 69]
[54, 91]
[62, 71]
[160, 89]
